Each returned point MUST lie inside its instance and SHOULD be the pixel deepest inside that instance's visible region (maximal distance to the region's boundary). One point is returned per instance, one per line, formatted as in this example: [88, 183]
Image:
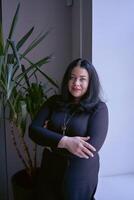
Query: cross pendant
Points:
[64, 129]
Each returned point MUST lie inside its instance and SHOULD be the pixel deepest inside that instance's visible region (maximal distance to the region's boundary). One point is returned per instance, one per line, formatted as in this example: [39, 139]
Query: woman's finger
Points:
[87, 152]
[89, 146]
[85, 138]
[81, 154]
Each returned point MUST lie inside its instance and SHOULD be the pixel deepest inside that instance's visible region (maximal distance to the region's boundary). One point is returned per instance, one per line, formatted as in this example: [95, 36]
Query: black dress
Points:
[63, 175]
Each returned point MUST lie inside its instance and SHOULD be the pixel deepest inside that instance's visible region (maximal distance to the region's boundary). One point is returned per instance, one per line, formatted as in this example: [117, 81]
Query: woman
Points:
[72, 127]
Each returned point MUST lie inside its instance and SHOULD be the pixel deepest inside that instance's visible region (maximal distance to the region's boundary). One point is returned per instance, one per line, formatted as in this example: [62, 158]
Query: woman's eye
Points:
[82, 79]
[72, 78]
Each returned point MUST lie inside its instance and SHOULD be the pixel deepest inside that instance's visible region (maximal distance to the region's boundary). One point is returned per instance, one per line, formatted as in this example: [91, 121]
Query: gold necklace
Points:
[66, 122]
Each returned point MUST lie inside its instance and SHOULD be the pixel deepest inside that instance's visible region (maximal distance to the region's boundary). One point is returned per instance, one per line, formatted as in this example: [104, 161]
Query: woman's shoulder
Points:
[101, 105]
[99, 108]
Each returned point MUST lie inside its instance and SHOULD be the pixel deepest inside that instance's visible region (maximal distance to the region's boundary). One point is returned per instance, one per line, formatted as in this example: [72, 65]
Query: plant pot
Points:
[23, 185]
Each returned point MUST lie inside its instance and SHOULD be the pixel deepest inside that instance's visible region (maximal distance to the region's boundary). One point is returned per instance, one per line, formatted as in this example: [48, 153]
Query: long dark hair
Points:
[91, 98]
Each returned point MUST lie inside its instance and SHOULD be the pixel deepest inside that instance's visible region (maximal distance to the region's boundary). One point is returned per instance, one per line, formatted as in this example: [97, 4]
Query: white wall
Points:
[113, 56]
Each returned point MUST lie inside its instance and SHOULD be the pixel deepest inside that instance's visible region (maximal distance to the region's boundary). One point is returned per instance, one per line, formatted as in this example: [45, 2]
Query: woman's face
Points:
[78, 82]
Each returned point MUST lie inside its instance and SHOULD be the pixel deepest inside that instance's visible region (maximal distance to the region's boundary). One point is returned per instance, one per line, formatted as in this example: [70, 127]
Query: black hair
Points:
[91, 98]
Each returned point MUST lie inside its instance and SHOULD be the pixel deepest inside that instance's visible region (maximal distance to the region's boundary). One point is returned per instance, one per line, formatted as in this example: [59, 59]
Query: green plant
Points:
[20, 88]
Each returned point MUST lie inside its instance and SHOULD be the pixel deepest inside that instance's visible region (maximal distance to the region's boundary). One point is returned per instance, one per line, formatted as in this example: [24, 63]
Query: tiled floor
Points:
[116, 188]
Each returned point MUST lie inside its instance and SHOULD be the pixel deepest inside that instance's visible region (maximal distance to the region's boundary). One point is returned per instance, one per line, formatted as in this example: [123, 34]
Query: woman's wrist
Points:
[62, 143]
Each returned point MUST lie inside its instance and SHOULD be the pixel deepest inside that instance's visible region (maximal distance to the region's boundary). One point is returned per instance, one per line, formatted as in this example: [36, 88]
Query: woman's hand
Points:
[77, 146]
[46, 124]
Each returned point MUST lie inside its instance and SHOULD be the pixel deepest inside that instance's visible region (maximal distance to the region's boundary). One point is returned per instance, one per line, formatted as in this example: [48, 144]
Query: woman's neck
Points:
[76, 100]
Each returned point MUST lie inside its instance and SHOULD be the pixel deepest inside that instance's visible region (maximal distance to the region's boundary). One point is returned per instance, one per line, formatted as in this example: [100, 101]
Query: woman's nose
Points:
[76, 81]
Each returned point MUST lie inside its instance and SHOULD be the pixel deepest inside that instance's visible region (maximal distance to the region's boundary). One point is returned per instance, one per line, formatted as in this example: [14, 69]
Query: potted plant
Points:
[19, 90]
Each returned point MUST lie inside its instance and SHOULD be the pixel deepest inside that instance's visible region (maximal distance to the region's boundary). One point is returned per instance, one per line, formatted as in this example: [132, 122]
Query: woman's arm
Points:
[38, 132]
[85, 147]
[98, 126]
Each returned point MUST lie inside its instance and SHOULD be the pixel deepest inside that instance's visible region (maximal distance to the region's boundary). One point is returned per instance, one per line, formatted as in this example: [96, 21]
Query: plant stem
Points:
[16, 147]
[26, 150]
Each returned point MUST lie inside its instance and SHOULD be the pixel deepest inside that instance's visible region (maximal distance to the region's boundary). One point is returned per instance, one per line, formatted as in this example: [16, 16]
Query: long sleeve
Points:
[98, 126]
[38, 133]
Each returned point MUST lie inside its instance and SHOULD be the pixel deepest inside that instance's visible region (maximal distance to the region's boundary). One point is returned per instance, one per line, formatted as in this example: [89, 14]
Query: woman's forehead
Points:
[79, 71]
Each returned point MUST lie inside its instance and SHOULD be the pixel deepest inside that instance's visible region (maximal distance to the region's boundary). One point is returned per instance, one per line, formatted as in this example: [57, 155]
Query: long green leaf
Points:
[48, 78]
[16, 55]
[14, 22]
[35, 43]
[16, 98]
[32, 67]
[3, 86]
[15, 52]
[35, 90]
[25, 76]
[12, 28]
[1, 64]
[10, 83]
[10, 89]
[24, 38]
[37, 68]
[38, 65]
[14, 105]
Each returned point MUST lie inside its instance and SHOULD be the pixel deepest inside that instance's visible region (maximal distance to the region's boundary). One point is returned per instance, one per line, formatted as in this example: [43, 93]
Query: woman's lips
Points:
[76, 89]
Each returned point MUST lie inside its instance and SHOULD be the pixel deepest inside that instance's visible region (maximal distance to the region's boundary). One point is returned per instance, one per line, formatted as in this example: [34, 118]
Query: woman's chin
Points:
[75, 95]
